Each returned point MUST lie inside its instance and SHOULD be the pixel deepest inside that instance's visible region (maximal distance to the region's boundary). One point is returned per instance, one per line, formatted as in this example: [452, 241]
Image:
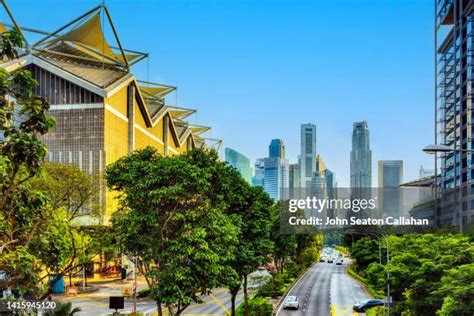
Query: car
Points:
[291, 302]
[322, 259]
[364, 305]
[339, 261]
[330, 259]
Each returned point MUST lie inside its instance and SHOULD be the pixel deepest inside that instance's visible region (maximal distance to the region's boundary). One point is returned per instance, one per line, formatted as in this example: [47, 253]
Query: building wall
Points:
[92, 132]
[454, 93]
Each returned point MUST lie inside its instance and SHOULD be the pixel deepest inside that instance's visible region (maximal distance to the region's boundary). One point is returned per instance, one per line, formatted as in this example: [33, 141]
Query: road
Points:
[326, 289]
[97, 303]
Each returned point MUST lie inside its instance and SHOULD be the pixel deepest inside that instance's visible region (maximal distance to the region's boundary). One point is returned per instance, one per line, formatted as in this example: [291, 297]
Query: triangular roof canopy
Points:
[157, 91]
[86, 33]
[198, 129]
[180, 113]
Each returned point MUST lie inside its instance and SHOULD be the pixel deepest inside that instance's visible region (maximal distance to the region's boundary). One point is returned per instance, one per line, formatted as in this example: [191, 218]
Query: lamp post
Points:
[433, 150]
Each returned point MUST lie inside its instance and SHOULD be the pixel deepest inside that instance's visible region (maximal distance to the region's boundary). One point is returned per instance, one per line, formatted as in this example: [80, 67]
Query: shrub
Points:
[258, 306]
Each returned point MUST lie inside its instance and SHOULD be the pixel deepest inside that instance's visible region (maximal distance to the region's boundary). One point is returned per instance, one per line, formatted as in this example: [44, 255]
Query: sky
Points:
[257, 70]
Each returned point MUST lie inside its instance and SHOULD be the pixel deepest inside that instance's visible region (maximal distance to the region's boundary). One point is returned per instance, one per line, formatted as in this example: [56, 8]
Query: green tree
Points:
[284, 244]
[183, 238]
[23, 211]
[251, 210]
[420, 268]
[63, 309]
[457, 290]
[69, 188]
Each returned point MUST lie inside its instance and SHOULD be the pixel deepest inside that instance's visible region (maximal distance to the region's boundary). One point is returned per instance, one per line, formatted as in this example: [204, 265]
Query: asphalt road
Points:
[97, 303]
[325, 290]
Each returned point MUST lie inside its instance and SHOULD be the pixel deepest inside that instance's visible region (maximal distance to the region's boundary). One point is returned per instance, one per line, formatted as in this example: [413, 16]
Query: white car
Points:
[291, 302]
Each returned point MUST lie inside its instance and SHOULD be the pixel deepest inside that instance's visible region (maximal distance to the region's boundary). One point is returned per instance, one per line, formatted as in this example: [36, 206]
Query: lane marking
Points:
[219, 303]
[292, 287]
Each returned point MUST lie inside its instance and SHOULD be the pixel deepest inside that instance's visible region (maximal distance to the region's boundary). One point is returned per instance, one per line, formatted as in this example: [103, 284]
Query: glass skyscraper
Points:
[276, 149]
[272, 173]
[240, 162]
[308, 154]
[361, 157]
[454, 52]
[259, 177]
[390, 177]
[294, 180]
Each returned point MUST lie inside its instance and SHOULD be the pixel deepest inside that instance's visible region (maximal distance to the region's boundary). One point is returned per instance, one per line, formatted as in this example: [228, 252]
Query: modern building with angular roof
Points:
[102, 110]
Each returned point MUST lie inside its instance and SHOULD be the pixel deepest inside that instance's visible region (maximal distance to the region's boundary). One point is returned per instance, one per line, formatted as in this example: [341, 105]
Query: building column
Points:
[131, 117]
[165, 134]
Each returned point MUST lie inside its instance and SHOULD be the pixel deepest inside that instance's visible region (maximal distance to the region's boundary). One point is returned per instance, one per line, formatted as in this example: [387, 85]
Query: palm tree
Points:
[63, 309]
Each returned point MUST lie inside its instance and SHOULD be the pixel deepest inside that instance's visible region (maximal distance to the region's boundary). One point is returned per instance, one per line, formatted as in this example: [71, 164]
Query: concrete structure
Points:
[240, 162]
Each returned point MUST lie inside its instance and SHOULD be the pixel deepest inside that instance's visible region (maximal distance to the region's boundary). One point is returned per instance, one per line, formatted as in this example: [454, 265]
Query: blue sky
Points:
[256, 70]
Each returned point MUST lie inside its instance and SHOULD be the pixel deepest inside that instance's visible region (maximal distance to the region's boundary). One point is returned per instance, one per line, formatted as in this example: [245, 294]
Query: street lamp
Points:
[434, 149]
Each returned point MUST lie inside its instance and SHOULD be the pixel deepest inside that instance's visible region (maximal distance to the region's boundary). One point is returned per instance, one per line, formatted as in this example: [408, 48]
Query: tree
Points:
[182, 237]
[63, 309]
[23, 210]
[69, 188]
[255, 240]
[251, 210]
[458, 291]
[284, 244]
[422, 271]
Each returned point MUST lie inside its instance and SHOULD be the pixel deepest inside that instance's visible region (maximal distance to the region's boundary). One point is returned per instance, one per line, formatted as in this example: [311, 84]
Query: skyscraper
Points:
[259, 177]
[294, 180]
[240, 162]
[361, 157]
[275, 180]
[390, 177]
[390, 173]
[308, 154]
[454, 66]
[276, 149]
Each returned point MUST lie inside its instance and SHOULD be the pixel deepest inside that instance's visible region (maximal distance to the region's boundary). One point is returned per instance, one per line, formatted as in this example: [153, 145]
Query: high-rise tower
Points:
[454, 68]
[308, 154]
[361, 157]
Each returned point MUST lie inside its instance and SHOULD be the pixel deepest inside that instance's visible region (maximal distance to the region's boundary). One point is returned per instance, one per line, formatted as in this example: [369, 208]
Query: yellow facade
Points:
[116, 137]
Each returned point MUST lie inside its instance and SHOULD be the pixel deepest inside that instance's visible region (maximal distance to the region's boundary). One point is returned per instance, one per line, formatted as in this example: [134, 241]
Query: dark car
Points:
[364, 305]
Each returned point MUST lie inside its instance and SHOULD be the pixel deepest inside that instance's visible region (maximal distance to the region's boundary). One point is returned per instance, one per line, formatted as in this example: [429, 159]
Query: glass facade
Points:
[276, 149]
[308, 154]
[454, 110]
[240, 162]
